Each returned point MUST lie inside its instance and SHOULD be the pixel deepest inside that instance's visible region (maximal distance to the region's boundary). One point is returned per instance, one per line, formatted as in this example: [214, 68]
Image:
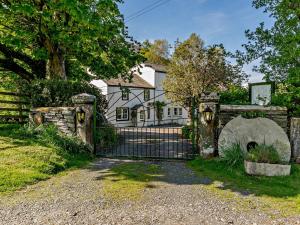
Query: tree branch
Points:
[10, 65]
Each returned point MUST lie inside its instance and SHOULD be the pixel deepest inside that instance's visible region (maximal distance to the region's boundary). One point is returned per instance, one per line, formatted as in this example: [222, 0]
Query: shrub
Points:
[58, 93]
[235, 95]
[288, 96]
[187, 131]
[50, 135]
[263, 154]
[106, 136]
[233, 156]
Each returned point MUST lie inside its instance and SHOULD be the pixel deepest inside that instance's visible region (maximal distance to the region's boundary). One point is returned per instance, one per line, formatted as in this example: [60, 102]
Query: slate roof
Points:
[136, 82]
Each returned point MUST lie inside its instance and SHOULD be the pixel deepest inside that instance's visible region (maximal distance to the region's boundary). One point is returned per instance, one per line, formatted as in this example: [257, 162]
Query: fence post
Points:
[295, 138]
[208, 124]
[85, 106]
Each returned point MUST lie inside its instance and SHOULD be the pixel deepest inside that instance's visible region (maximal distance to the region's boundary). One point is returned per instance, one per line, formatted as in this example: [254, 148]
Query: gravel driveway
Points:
[178, 197]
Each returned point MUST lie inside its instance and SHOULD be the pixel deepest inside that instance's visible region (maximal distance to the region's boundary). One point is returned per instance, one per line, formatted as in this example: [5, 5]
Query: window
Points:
[125, 94]
[169, 112]
[122, 113]
[180, 111]
[146, 95]
[142, 115]
[148, 112]
[175, 111]
[162, 112]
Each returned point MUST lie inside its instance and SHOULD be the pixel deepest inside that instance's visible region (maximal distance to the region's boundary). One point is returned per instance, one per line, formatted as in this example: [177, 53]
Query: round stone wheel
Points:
[246, 132]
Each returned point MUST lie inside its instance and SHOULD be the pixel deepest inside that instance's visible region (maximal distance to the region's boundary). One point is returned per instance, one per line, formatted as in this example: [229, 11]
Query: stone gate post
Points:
[209, 116]
[295, 138]
[84, 104]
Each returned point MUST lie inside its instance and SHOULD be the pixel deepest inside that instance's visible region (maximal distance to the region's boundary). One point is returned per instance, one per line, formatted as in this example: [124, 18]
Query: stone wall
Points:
[295, 138]
[62, 117]
[275, 113]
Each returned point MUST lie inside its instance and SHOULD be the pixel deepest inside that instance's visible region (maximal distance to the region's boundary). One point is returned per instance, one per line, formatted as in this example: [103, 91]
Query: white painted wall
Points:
[136, 96]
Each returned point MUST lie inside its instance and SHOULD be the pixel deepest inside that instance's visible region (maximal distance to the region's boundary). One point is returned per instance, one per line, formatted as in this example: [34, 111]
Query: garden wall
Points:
[62, 117]
[275, 113]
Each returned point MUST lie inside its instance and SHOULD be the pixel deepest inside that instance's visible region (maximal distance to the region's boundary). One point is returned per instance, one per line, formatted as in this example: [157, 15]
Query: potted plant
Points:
[264, 160]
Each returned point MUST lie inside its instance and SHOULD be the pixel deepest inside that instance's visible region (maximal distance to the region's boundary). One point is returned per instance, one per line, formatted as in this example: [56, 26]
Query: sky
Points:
[216, 21]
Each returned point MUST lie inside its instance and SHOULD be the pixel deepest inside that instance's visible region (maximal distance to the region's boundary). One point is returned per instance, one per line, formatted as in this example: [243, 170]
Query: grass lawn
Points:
[282, 193]
[127, 181]
[27, 158]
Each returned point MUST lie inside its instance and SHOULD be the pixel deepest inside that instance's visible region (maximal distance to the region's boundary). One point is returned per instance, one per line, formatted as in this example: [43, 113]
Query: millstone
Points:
[259, 131]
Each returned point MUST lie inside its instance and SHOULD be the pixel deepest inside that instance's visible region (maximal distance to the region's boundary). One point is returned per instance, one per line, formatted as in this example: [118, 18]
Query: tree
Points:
[38, 37]
[156, 52]
[277, 48]
[194, 69]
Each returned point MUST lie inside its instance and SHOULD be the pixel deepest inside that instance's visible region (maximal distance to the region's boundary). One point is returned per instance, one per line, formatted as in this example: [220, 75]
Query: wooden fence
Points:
[14, 108]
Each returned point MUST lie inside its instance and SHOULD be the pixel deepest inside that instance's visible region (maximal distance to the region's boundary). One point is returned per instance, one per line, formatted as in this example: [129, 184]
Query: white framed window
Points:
[125, 94]
[146, 94]
[175, 111]
[122, 113]
[142, 115]
[169, 112]
[180, 111]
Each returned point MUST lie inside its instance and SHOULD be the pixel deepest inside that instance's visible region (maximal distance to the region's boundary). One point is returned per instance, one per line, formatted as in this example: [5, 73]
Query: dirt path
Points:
[177, 197]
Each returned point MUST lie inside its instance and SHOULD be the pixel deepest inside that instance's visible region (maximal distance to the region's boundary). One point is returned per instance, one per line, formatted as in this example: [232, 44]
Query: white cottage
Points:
[133, 104]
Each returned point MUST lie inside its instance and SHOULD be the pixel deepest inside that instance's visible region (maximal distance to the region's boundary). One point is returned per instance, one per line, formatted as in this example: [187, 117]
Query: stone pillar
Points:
[84, 104]
[208, 124]
[295, 138]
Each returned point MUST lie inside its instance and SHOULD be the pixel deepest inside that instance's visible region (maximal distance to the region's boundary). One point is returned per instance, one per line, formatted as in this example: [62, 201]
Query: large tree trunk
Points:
[56, 65]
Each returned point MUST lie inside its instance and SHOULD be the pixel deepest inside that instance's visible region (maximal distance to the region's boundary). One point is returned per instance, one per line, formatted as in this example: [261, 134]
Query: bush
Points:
[106, 136]
[58, 93]
[263, 154]
[49, 135]
[233, 156]
[235, 95]
[288, 96]
[187, 131]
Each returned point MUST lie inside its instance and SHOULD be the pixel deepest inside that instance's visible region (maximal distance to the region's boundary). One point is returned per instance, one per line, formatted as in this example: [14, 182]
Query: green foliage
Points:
[263, 154]
[159, 107]
[156, 52]
[30, 154]
[58, 93]
[288, 96]
[253, 114]
[233, 156]
[51, 135]
[106, 136]
[195, 69]
[277, 48]
[187, 131]
[235, 95]
[38, 38]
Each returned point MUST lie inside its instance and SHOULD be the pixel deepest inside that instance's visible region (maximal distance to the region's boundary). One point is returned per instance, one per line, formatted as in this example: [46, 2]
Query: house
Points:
[133, 104]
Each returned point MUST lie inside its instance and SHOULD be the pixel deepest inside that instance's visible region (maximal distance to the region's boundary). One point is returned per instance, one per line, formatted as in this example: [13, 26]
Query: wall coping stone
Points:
[252, 108]
[83, 98]
[51, 109]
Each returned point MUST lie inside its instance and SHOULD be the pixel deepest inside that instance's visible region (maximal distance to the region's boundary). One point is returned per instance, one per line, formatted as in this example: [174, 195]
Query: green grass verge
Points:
[26, 158]
[127, 181]
[282, 193]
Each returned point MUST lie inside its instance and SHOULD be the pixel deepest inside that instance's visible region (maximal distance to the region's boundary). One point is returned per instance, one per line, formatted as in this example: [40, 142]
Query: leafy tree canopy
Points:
[156, 52]
[195, 69]
[278, 48]
[46, 38]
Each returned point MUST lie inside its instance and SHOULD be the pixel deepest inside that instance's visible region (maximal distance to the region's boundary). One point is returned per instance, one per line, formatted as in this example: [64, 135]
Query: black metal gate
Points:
[143, 142]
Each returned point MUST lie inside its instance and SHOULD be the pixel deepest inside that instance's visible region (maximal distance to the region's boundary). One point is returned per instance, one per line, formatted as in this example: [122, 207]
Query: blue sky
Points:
[216, 21]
